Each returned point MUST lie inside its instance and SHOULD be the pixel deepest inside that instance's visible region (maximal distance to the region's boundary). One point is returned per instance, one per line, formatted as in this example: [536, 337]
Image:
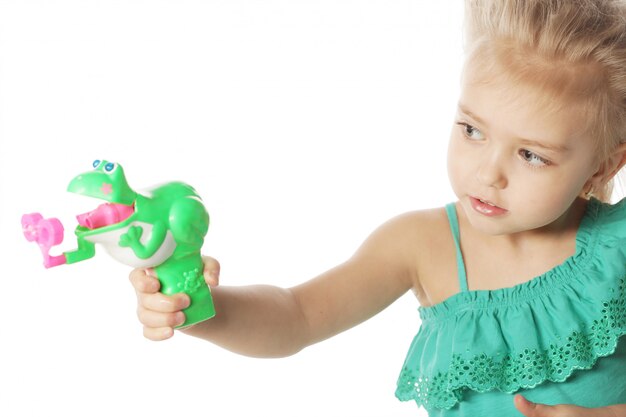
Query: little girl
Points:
[522, 281]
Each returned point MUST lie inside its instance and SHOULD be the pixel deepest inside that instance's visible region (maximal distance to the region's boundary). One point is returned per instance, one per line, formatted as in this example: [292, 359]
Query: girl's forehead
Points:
[529, 67]
[501, 105]
[506, 90]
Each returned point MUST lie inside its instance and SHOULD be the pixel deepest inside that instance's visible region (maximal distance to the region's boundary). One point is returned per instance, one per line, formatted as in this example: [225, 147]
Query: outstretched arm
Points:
[269, 321]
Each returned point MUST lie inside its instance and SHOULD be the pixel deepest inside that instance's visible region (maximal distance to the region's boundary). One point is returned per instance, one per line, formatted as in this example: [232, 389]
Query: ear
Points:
[611, 166]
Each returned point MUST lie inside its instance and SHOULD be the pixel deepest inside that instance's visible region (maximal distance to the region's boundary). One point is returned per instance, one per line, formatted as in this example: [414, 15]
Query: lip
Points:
[485, 208]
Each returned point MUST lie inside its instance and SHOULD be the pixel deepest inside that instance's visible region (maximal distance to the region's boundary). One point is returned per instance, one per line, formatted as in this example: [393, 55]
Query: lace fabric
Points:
[519, 337]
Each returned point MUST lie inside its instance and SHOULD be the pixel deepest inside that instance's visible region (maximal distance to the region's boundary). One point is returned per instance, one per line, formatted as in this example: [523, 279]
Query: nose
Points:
[491, 171]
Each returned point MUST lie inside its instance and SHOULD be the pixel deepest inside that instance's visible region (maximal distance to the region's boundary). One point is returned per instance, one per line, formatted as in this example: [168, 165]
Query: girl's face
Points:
[514, 166]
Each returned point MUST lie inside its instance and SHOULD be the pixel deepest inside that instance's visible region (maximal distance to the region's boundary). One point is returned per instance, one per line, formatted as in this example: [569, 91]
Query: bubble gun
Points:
[162, 228]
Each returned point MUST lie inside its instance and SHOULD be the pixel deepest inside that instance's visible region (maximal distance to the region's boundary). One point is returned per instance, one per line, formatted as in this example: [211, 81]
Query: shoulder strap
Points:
[454, 226]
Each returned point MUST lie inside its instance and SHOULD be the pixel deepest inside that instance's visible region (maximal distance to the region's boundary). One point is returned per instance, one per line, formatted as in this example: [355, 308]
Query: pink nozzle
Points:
[105, 215]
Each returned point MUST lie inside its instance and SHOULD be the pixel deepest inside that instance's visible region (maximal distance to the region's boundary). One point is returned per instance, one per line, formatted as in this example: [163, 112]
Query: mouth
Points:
[105, 214]
[486, 208]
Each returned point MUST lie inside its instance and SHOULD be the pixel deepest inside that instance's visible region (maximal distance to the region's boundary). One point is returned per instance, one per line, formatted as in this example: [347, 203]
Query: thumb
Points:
[211, 271]
[531, 409]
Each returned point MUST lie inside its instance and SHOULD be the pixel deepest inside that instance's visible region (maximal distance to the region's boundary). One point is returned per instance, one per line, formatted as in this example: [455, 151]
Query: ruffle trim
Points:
[527, 368]
[587, 238]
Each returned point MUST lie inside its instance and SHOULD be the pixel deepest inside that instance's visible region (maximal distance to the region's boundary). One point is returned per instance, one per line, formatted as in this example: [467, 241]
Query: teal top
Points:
[556, 339]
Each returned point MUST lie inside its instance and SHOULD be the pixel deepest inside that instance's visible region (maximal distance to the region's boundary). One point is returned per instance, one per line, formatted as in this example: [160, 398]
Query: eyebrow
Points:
[465, 110]
[531, 142]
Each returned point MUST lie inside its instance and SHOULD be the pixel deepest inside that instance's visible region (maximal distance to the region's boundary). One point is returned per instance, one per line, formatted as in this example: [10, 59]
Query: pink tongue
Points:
[105, 215]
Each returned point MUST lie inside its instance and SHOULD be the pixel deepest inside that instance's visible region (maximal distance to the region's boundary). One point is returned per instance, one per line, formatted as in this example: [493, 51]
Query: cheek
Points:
[459, 160]
[458, 170]
[453, 162]
[570, 184]
[552, 196]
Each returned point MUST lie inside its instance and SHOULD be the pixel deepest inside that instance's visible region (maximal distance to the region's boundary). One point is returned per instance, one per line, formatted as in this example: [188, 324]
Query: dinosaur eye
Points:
[96, 163]
[110, 167]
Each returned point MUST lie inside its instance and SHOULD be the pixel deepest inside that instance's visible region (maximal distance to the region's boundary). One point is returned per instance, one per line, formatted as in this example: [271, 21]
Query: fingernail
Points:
[212, 275]
[186, 301]
[526, 400]
[180, 318]
[152, 286]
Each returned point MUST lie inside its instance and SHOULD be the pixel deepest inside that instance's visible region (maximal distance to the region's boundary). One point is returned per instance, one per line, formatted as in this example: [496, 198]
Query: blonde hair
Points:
[573, 51]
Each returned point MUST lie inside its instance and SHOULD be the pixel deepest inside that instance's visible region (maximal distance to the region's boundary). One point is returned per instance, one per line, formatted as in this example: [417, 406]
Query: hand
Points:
[131, 237]
[160, 313]
[530, 409]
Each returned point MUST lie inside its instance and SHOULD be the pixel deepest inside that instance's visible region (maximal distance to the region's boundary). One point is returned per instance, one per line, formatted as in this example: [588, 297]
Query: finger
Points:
[524, 406]
[211, 271]
[143, 283]
[156, 319]
[531, 409]
[161, 303]
[158, 334]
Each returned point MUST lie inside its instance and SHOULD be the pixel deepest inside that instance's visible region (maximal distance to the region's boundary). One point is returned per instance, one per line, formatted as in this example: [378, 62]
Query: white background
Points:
[304, 124]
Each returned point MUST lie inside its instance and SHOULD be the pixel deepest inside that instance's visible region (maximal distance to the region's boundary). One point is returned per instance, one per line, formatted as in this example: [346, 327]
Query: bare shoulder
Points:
[408, 232]
[419, 241]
